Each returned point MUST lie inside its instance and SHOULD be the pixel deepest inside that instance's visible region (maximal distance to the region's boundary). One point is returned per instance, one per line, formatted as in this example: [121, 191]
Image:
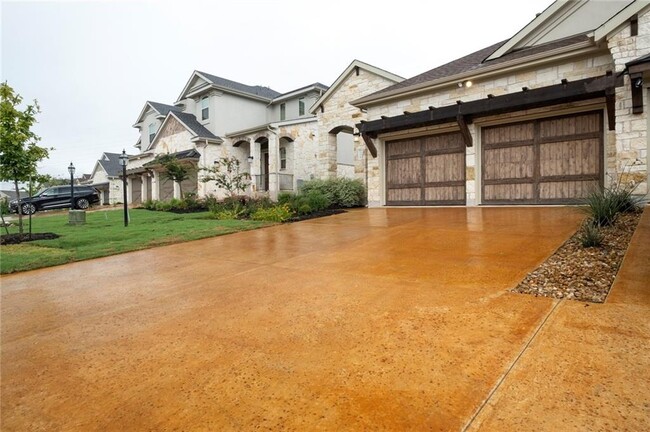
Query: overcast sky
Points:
[93, 64]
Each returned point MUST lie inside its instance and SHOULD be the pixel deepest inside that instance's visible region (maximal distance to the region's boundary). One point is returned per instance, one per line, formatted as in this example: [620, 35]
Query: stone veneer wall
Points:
[627, 146]
[339, 112]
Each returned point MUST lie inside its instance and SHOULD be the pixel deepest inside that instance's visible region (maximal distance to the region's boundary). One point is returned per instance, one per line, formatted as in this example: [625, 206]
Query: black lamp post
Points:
[71, 171]
[124, 159]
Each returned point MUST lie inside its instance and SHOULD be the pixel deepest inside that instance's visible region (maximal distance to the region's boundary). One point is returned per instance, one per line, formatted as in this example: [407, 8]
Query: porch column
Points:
[129, 189]
[155, 186]
[177, 190]
[274, 166]
[145, 192]
[256, 166]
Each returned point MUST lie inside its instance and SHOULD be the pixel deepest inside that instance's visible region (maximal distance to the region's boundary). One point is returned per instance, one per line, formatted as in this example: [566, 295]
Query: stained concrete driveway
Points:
[380, 319]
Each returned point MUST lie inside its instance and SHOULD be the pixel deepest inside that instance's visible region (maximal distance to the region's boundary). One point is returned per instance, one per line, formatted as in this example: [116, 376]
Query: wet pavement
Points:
[379, 319]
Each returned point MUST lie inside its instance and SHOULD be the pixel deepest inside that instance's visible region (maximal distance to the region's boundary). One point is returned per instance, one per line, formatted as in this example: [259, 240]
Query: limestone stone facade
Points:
[335, 113]
[625, 148]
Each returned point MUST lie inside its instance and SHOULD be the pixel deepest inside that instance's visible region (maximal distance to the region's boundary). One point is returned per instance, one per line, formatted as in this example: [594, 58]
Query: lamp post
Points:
[124, 159]
[71, 171]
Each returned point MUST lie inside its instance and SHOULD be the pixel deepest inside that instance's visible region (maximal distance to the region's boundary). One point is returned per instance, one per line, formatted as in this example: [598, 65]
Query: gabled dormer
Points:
[295, 104]
[221, 105]
[564, 19]
[149, 121]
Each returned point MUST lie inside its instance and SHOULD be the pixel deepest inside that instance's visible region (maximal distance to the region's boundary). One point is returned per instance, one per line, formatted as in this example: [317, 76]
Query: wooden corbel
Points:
[371, 145]
[464, 130]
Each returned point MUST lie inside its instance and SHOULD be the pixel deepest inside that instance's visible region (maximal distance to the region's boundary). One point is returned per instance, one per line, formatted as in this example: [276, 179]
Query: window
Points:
[152, 132]
[301, 106]
[205, 109]
[283, 158]
[283, 111]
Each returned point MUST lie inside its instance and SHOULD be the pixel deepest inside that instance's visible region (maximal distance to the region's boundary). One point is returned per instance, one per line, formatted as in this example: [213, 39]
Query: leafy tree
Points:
[226, 174]
[19, 154]
[42, 181]
[175, 170]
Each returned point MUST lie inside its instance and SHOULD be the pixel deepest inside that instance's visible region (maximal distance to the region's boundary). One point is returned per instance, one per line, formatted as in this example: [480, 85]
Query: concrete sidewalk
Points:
[380, 319]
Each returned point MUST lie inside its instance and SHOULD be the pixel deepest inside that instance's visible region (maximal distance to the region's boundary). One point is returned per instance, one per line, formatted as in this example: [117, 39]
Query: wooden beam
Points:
[610, 102]
[573, 91]
[371, 145]
[464, 130]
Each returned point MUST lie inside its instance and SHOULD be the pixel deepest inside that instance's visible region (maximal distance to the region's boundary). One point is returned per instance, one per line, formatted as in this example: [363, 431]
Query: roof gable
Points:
[157, 107]
[189, 123]
[200, 80]
[110, 163]
[341, 79]
[561, 20]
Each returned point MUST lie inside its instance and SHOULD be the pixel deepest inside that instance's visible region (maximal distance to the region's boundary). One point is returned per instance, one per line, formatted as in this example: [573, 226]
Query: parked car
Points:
[56, 197]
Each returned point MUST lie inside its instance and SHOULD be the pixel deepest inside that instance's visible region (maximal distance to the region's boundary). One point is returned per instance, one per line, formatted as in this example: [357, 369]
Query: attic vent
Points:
[634, 26]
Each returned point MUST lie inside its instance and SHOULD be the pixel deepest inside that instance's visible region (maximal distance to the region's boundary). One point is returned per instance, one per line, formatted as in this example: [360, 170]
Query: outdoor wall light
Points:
[637, 82]
[467, 84]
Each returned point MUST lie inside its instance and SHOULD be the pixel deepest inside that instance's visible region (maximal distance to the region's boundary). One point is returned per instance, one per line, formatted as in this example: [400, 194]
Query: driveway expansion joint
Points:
[512, 366]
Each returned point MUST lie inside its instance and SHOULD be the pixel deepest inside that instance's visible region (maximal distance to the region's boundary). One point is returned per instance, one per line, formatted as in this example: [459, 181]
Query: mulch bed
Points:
[585, 274]
[7, 239]
[322, 213]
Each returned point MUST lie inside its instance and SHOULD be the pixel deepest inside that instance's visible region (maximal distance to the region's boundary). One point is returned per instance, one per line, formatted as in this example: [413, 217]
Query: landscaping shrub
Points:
[590, 235]
[188, 204]
[340, 192]
[277, 213]
[604, 204]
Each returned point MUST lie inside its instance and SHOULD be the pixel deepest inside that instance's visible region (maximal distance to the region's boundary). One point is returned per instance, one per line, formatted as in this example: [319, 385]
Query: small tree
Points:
[19, 154]
[174, 170]
[226, 174]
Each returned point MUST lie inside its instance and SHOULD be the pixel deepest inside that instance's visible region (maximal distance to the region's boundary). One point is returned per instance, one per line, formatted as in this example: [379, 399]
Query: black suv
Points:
[57, 197]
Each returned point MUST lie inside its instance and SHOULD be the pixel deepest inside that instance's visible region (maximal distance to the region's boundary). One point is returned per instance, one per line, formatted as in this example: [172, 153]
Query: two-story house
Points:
[214, 117]
[281, 139]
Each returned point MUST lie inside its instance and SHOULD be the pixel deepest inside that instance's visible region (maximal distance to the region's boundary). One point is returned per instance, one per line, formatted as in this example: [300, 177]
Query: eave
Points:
[526, 62]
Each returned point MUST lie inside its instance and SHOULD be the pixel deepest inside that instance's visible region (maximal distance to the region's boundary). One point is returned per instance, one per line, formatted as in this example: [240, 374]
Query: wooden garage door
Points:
[426, 170]
[547, 161]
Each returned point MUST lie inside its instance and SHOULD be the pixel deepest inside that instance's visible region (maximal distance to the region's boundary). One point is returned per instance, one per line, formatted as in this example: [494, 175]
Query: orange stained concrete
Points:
[379, 319]
[588, 369]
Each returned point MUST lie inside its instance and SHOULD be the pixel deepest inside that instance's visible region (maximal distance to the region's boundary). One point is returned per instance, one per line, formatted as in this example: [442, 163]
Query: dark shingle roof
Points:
[184, 154]
[112, 165]
[163, 109]
[11, 194]
[193, 124]
[316, 84]
[264, 92]
[476, 61]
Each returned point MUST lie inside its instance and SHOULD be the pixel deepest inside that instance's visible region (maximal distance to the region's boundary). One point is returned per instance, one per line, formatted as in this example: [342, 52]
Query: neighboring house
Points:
[7, 196]
[107, 178]
[276, 136]
[542, 118]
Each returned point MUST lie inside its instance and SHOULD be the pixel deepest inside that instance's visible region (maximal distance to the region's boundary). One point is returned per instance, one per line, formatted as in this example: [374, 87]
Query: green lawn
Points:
[104, 234]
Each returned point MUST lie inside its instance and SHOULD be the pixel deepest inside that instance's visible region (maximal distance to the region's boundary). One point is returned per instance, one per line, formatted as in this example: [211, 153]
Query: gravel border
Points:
[578, 273]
